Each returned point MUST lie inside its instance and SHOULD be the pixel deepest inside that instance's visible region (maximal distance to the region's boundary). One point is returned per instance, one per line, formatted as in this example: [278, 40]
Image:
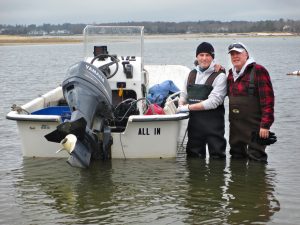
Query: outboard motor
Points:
[86, 135]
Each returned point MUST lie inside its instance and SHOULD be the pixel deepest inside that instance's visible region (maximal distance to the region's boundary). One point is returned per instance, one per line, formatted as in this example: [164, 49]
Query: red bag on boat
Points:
[154, 109]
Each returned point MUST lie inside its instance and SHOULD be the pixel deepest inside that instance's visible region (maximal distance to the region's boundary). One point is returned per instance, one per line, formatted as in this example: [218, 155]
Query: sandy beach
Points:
[18, 40]
[21, 40]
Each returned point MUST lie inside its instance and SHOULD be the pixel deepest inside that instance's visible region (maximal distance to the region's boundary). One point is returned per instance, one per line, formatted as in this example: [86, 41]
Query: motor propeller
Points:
[73, 136]
[68, 143]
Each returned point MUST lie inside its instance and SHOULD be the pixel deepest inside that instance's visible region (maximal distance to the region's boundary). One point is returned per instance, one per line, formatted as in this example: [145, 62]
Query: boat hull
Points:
[34, 144]
[153, 137]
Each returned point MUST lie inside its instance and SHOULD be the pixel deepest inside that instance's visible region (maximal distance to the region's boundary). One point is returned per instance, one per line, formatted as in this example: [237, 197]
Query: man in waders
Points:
[251, 104]
[203, 97]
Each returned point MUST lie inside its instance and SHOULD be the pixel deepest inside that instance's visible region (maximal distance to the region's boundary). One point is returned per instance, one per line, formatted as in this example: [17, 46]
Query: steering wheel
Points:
[106, 67]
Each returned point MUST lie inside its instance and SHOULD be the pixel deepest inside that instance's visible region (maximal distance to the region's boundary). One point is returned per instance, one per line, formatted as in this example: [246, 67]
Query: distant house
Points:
[59, 32]
[287, 28]
[37, 33]
[222, 29]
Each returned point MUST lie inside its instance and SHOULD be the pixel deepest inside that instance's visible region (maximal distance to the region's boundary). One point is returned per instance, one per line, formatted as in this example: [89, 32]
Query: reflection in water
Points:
[205, 191]
[53, 192]
[236, 192]
[149, 191]
[180, 191]
[116, 192]
[251, 187]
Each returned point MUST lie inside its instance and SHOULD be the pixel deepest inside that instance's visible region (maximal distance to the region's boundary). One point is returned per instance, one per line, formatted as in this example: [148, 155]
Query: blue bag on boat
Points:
[158, 93]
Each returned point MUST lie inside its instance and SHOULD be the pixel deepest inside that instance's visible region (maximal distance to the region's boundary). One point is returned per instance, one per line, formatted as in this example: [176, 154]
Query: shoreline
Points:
[27, 40]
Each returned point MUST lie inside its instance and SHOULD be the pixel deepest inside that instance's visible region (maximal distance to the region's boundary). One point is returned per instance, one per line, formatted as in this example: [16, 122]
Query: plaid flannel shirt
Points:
[263, 89]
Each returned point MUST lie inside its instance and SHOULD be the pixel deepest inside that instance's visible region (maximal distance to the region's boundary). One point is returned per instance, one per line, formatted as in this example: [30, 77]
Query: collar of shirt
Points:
[203, 75]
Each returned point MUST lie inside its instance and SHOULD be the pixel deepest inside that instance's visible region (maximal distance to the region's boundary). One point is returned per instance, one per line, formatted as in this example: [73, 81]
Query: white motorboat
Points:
[297, 72]
[101, 109]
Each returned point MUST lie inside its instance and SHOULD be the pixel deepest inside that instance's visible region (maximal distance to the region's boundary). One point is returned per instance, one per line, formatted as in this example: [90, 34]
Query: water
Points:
[162, 191]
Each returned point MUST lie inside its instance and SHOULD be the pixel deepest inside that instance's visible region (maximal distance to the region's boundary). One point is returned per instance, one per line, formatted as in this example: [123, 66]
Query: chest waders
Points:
[244, 118]
[205, 127]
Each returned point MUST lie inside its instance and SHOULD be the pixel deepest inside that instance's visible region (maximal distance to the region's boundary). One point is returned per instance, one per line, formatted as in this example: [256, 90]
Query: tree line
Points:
[208, 26]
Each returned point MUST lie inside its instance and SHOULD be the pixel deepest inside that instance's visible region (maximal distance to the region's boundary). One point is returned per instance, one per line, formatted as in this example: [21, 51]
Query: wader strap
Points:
[209, 81]
[212, 77]
[192, 77]
[251, 83]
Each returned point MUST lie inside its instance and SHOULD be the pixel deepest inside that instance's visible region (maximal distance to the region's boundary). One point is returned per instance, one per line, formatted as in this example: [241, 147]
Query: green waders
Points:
[205, 127]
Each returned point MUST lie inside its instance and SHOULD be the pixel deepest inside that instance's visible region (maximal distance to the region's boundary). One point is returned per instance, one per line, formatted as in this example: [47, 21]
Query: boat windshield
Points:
[115, 40]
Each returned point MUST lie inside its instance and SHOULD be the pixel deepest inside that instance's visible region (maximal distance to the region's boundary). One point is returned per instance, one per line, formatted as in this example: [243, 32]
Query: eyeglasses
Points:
[235, 45]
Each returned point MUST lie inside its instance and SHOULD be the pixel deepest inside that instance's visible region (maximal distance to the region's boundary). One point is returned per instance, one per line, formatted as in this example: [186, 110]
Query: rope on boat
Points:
[19, 109]
[181, 146]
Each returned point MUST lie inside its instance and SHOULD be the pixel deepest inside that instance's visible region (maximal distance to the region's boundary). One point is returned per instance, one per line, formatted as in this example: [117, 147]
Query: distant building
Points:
[37, 33]
[287, 28]
[59, 32]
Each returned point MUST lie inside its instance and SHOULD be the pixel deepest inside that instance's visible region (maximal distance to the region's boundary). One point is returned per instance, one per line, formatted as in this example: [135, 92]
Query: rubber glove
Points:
[183, 108]
[263, 141]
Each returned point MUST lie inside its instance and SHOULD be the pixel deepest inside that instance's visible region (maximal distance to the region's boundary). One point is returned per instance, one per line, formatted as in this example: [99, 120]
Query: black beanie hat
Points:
[206, 48]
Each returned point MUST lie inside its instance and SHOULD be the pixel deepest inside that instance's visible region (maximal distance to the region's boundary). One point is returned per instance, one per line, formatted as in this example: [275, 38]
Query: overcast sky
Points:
[99, 11]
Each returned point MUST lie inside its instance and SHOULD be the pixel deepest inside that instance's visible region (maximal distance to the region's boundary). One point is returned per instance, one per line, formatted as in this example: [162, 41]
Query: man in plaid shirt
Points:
[251, 104]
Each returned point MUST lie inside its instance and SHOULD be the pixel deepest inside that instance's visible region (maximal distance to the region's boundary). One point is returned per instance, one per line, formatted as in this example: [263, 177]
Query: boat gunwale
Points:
[163, 117]
[13, 115]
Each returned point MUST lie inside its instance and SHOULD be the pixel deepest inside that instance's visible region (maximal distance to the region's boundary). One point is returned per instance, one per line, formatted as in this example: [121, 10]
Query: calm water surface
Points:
[165, 191]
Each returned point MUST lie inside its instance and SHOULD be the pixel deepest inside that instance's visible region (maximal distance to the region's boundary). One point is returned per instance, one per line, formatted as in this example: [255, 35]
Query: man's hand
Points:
[263, 133]
[183, 108]
[270, 139]
[218, 67]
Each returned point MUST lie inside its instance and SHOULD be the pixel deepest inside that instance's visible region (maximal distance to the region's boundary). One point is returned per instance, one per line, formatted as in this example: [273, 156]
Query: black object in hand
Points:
[263, 141]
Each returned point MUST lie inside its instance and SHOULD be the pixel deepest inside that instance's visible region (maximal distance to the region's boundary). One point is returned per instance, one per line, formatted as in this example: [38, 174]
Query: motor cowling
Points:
[87, 90]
